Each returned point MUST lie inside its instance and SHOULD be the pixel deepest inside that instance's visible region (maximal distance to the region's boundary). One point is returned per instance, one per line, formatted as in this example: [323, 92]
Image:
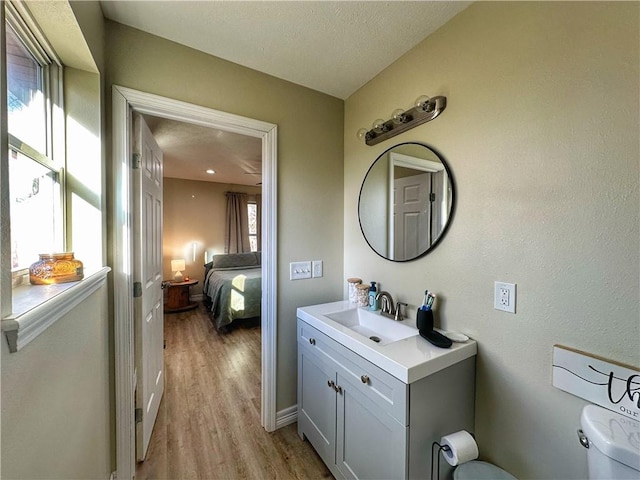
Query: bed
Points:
[233, 287]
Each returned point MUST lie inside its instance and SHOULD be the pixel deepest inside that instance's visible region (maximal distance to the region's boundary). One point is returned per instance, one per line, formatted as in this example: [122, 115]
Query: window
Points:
[37, 201]
[26, 110]
[35, 177]
[252, 208]
[35, 209]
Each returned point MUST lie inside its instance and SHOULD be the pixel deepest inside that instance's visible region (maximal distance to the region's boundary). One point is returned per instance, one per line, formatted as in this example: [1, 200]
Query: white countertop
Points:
[408, 360]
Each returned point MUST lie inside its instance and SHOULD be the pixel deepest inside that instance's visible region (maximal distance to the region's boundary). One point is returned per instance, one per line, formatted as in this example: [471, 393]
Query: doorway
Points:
[124, 101]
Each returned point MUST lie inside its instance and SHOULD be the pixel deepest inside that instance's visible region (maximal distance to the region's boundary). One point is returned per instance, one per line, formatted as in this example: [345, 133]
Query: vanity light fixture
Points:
[424, 110]
[210, 172]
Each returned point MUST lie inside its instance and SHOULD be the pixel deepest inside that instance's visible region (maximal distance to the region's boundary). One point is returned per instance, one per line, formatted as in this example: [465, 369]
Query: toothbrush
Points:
[431, 300]
[425, 301]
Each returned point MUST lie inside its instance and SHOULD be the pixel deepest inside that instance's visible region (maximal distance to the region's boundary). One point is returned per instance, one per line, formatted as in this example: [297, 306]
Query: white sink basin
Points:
[372, 325]
[403, 352]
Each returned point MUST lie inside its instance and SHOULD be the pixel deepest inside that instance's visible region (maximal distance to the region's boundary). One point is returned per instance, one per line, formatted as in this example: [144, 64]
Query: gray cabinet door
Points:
[370, 444]
[317, 402]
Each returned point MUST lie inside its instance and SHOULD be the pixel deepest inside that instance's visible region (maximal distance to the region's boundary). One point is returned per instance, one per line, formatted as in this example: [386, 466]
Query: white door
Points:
[148, 298]
[412, 211]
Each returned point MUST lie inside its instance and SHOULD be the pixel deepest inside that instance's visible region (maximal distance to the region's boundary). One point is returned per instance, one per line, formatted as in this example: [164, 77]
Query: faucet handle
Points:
[398, 313]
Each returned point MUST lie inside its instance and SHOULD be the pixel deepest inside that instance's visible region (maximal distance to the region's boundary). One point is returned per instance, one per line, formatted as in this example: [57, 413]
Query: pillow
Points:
[227, 260]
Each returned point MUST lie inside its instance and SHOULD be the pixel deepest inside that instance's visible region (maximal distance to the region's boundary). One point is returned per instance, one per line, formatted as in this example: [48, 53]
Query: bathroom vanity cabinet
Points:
[364, 422]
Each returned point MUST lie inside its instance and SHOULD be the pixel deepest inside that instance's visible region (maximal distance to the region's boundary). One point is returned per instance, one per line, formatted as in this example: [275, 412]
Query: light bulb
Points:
[378, 125]
[398, 116]
[422, 103]
[362, 134]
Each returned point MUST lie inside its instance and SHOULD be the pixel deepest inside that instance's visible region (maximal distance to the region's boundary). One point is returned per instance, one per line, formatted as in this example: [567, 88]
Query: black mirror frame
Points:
[451, 213]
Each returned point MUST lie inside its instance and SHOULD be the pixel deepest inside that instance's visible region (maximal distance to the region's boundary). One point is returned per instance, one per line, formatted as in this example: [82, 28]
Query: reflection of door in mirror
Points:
[411, 216]
[419, 189]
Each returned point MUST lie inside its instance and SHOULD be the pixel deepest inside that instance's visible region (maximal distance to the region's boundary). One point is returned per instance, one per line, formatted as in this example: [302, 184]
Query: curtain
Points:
[237, 224]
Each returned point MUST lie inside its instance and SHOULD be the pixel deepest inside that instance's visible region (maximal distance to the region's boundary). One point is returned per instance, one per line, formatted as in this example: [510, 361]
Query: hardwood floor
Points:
[208, 426]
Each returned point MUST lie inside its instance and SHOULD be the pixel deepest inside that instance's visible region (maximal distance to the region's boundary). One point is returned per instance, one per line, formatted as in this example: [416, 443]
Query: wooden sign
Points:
[607, 383]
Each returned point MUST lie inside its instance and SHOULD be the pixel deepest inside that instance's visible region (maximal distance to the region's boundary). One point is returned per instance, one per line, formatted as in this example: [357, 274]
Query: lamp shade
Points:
[177, 265]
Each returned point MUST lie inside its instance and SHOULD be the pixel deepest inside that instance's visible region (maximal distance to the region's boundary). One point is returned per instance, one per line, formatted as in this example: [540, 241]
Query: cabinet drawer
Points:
[382, 388]
[314, 338]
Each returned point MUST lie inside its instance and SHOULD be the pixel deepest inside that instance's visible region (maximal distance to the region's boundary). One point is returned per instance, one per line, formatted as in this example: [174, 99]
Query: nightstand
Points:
[178, 296]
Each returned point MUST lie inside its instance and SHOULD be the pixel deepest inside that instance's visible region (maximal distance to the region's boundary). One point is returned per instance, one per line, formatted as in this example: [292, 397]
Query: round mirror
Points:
[406, 202]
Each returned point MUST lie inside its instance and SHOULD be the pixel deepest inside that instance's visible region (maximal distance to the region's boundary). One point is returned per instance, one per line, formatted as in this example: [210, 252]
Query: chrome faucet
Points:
[386, 306]
[386, 302]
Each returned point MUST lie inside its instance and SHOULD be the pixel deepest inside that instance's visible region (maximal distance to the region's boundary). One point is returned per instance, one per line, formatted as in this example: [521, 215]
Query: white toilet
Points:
[613, 441]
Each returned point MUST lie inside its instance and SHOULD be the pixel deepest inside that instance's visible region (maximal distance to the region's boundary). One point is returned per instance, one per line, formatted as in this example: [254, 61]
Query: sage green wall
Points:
[310, 149]
[88, 14]
[56, 421]
[85, 182]
[541, 132]
[56, 396]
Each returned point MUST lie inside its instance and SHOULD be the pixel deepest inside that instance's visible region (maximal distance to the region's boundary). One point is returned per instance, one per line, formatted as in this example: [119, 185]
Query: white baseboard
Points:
[287, 416]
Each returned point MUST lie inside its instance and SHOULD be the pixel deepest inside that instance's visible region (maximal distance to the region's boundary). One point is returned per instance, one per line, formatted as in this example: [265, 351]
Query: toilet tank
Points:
[614, 444]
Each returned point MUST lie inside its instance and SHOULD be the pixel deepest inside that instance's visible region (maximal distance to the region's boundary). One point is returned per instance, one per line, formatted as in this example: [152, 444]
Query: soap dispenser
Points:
[373, 291]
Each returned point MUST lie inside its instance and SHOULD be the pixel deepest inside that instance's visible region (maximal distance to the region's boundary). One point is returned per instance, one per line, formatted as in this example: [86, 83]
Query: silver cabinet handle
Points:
[333, 385]
[312, 341]
[365, 378]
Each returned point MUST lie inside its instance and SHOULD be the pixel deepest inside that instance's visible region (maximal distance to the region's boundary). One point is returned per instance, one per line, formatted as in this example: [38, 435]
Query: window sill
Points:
[35, 308]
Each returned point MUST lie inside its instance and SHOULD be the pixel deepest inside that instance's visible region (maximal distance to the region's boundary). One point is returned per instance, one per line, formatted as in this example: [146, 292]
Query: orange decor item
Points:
[55, 268]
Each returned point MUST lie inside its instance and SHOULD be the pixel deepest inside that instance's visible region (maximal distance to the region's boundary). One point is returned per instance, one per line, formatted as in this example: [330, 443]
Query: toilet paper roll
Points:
[462, 448]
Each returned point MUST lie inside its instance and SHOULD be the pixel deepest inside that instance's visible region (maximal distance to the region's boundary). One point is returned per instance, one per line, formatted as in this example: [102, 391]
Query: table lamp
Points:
[177, 266]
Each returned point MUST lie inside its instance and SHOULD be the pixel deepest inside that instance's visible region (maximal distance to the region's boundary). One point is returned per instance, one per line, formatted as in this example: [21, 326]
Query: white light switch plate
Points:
[299, 270]
[504, 297]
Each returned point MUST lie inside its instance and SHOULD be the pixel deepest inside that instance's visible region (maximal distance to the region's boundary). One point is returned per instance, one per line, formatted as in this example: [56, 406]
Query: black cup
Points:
[424, 320]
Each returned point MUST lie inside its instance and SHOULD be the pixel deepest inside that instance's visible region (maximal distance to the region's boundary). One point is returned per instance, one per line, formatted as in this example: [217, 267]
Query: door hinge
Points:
[432, 197]
[138, 415]
[137, 289]
[135, 161]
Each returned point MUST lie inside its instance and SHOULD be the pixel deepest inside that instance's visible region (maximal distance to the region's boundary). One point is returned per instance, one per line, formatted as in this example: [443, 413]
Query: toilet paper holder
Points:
[461, 443]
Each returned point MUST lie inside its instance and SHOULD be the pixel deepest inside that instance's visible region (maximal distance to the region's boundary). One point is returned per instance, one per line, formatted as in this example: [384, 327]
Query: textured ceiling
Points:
[334, 47]
[189, 150]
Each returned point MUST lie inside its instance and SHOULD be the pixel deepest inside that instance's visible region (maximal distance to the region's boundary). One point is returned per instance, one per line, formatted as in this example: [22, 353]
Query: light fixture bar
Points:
[413, 117]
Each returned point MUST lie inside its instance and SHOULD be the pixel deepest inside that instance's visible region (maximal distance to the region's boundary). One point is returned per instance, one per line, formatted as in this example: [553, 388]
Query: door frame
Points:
[124, 101]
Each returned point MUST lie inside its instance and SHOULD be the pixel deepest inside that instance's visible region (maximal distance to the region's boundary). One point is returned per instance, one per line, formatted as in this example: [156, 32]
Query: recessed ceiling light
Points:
[211, 172]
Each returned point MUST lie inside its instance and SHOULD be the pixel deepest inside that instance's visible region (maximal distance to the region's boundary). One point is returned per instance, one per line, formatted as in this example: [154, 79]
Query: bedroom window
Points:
[252, 209]
[35, 177]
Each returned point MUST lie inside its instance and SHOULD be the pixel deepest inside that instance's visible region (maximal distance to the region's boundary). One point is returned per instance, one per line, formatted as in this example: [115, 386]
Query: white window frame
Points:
[27, 311]
[254, 235]
[53, 158]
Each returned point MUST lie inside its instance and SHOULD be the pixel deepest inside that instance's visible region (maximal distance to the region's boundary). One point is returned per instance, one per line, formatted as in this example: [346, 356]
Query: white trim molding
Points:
[52, 303]
[287, 416]
[125, 100]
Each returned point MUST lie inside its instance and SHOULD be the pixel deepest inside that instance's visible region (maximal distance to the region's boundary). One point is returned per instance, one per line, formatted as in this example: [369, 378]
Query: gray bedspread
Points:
[235, 292]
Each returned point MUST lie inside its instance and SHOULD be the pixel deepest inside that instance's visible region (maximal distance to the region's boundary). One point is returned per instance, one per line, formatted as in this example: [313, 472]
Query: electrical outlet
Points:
[299, 270]
[504, 297]
[317, 268]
